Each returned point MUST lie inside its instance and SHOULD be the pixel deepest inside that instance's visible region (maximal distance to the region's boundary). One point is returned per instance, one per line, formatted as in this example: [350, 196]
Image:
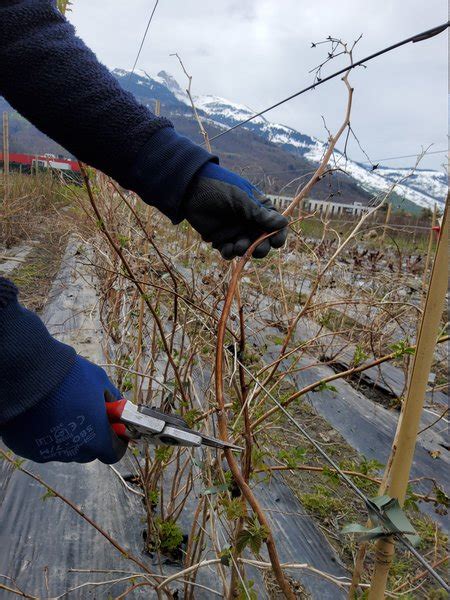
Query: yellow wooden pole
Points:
[430, 247]
[403, 446]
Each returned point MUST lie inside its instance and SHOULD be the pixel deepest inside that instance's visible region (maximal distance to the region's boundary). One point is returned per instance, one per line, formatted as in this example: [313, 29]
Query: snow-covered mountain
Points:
[423, 187]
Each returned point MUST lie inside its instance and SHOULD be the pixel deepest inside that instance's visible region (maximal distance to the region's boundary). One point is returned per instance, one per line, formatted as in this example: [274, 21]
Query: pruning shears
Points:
[136, 422]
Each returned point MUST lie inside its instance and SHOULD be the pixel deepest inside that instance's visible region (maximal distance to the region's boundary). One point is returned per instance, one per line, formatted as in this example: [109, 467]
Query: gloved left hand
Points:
[231, 213]
[70, 424]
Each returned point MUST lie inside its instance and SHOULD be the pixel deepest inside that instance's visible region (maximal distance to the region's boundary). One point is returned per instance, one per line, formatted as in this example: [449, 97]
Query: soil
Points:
[326, 497]
[372, 391]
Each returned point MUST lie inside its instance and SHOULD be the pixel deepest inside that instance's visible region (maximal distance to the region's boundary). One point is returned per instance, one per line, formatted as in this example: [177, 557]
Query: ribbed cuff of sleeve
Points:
[163, 170]
[32, 362]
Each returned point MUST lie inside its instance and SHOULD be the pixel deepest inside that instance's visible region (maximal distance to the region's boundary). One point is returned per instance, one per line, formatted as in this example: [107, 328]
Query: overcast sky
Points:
[256, 52]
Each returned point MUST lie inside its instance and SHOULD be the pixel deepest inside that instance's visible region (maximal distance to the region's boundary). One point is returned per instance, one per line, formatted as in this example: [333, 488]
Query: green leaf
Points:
[153, 497]
[246, 590]
[234, 508]
[163, 453]
[19, 462]
[123, 240]
[332, 475]
[126, 384]
[216, 489]
[170, 536]
[442, 497]
[369, 467]
[243, 540]
[359, 356]
[293, 456]
[258, 455]
[410, 502]
[225, 556]
[324, 386]
[48, 494]
[190, 416]
[253, 535]
[401, 348]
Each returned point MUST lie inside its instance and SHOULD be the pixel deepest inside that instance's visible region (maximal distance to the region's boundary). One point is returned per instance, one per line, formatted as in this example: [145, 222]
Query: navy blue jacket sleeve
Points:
[53, 79]
[49, 75]
[32, 362]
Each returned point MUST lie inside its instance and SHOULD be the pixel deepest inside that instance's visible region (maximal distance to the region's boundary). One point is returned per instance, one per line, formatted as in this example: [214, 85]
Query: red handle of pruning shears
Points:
[114, 411]
[133, 422]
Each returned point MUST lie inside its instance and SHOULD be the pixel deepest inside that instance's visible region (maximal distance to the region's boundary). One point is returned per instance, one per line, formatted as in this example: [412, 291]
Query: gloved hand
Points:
[70, 424]
[231, 213]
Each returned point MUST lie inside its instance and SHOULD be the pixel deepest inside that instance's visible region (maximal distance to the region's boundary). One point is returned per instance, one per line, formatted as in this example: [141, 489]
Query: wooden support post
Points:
[386, 221]
[399, 464]
[429, 249]
[6, 149]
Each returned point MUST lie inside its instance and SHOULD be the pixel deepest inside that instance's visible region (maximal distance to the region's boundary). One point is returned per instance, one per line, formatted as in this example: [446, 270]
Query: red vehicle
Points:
[27, 163]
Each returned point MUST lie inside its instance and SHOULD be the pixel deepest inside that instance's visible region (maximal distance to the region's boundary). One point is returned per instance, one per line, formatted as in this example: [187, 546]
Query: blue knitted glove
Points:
[231, 213]
[70, 424]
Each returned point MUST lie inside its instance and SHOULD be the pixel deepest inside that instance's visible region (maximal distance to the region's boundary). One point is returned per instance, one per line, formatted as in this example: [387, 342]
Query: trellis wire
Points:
[418, 37]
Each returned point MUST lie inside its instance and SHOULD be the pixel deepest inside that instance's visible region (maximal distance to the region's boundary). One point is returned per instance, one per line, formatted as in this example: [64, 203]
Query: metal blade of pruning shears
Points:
[157, 428]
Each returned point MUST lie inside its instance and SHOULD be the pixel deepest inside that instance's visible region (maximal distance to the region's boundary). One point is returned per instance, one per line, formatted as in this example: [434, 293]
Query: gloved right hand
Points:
[70, 424]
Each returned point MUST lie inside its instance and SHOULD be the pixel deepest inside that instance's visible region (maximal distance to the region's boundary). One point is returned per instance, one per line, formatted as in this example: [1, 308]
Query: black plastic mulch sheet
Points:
[45, 544]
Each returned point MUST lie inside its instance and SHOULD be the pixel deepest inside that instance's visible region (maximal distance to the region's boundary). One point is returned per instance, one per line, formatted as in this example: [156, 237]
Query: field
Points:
[325, 328]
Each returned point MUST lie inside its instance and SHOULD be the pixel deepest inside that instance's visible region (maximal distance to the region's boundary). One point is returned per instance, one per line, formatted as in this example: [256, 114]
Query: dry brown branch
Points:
[196, 115]
[342, 374]
[222, 418]
[127, 267]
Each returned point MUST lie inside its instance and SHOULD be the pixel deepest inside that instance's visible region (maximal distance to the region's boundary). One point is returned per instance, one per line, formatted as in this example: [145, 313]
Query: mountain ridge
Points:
[423, 187]
[275, 156]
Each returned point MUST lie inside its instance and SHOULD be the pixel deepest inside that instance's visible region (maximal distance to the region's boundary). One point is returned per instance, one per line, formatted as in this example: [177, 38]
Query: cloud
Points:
[258, 51]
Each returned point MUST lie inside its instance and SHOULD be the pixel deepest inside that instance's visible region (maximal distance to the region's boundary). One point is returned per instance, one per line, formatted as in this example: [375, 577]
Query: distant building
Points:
[329, 206]
[280, 201]
[332, 207]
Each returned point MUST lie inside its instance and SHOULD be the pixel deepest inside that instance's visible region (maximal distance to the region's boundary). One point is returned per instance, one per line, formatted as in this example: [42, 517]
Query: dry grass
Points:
[38, 211]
